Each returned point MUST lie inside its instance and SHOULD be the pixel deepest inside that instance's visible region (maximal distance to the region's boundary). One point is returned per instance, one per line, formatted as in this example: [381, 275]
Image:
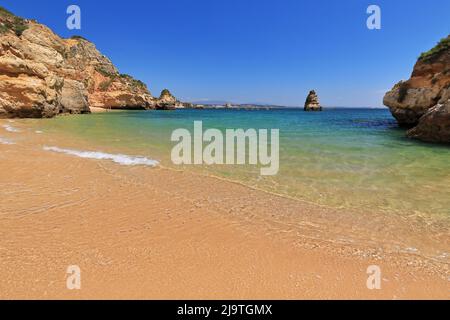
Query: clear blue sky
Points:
[256, 50]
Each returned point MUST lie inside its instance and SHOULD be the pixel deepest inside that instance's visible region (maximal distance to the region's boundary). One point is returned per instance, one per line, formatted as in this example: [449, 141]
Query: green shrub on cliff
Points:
[4, 12]
[9, 21]
[105, 73]
[165, 92]
[139, 83]
[3, 28]
[77, 37]
[104, 86]
[19, 26]
[442, 46]
[135, 83]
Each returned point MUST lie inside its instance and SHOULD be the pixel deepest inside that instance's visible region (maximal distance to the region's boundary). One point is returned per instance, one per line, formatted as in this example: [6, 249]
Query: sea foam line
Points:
[10, 128]
[122, 159]
[5, 141]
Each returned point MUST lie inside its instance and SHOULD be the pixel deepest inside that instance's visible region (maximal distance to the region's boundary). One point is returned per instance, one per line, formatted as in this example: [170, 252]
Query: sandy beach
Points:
[157, 233]
[102, 110]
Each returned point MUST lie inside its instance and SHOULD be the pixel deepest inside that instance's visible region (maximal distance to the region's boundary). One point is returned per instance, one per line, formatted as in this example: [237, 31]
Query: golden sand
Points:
[102, 110]
[155, 233]
[98, 110]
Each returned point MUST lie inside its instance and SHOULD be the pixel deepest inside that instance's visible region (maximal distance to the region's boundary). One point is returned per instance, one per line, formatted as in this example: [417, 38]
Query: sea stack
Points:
[312, 102]
[166, 101]
[422, 103]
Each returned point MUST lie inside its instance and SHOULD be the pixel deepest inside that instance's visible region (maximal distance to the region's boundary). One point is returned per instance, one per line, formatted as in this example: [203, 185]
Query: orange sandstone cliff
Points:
[422, 103]
[42, 75]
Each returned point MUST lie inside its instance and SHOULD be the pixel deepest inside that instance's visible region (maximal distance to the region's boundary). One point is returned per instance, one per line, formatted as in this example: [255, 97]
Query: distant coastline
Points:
[266, 106]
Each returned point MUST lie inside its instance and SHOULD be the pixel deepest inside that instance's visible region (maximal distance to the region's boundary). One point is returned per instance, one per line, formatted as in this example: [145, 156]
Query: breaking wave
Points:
[122, 159]
[5, 141]
[10, 128]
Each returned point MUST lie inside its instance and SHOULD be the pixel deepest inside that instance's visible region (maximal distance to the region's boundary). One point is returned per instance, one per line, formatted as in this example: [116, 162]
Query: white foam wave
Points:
[122, 159]
[5, 141]
[10, 128]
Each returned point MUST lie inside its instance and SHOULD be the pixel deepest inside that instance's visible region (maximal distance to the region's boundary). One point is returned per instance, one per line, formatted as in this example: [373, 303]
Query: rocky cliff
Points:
[422, 102]
[312, 102]
[42, 75]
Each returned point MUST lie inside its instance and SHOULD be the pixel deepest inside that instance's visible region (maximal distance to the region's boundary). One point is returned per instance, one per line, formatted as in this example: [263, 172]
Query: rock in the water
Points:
[166, 101]
[423, 94]
[312, 102]
[42, 75]
[434, 126]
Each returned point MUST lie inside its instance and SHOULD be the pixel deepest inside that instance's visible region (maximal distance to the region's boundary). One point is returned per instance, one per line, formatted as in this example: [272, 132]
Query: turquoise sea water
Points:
[350, 158]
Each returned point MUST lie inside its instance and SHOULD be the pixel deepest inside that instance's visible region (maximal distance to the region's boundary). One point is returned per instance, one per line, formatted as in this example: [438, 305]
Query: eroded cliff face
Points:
[425, 93]
[42, 75]
[434, 126]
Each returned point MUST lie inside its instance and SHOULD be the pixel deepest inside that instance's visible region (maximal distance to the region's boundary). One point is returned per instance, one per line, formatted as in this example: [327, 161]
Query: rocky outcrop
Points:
[312, 102]
[421, 101]
[42, 75]
[74, 97]
[434, 125]
[167, 101]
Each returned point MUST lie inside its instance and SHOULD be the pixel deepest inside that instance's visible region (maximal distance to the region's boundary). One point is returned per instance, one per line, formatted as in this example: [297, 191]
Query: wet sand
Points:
[98, 110]
[103, 110]
[157, 233]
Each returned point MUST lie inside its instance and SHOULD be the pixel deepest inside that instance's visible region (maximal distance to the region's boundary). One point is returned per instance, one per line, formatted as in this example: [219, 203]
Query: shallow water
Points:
[348, 158]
